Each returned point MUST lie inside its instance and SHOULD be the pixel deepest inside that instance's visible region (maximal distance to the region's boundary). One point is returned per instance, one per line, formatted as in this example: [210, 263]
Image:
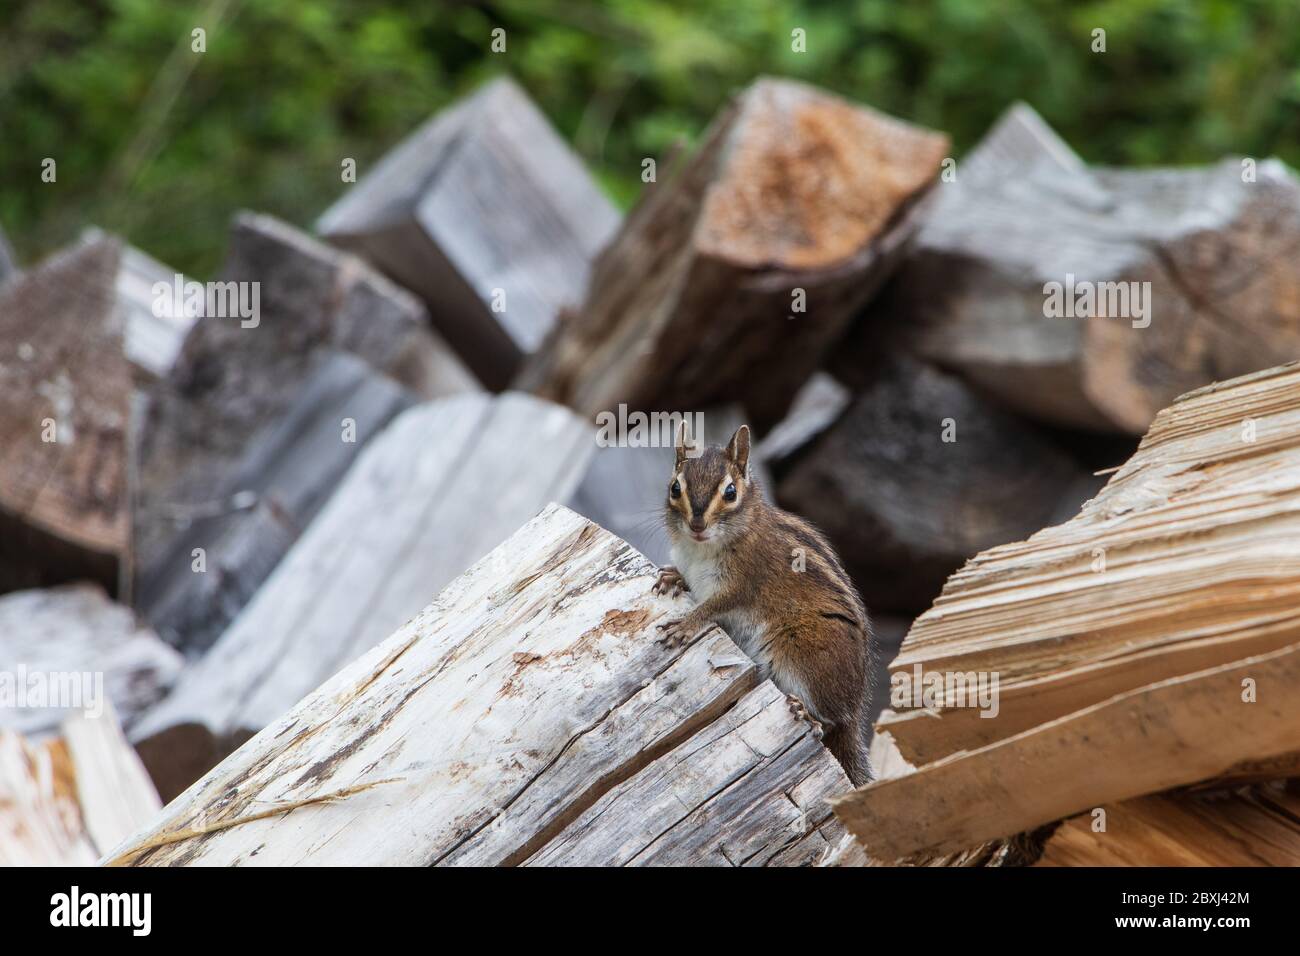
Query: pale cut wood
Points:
[430, 495]
[816, 406]
[64, 502]
[1023, 212]
[753, 776]
[75, 633]
[484, 200]
[732, 280]
[66, 800]
[530, 687]
[113, 789]
[1259, 826]
[40, 823]
[1165, 735]
[1199, 534]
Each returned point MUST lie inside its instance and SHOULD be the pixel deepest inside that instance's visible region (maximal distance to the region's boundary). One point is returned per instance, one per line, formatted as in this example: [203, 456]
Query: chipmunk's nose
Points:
[697, 520]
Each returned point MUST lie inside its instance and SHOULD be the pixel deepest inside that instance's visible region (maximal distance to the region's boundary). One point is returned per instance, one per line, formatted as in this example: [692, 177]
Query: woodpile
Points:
[366, 528]
[1151, 642]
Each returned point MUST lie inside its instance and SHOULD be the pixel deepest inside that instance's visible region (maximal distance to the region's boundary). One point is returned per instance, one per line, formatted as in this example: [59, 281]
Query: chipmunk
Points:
[773, 583]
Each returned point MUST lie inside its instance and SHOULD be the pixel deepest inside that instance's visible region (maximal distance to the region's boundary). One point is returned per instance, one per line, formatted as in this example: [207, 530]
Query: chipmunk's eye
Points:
[676, 490]
[729, 493]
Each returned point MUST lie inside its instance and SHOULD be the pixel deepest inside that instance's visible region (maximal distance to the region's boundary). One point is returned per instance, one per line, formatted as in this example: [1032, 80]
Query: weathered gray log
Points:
[156, 325]
[494, 719]
[65, 393]
[904, 506]
[486, 213]
[222, 509]
[734, 278]
[1029, 278]
[74, 633]
[260, 417]
[441, 486]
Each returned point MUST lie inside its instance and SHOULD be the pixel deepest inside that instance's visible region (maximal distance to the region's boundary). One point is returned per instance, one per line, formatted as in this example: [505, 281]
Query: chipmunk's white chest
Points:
[699, 566]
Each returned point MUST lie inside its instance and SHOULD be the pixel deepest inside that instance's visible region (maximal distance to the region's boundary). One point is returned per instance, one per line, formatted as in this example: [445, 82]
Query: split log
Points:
[260, 418]
[732, 280]
[1025, 228]
[156, 326]
[441, 486]
[1255, 827]
[488, 214]
[69, 800]
[65, 393]
[920, 474]
[540, 671]
[113, 789]
[1186, 560]
[220, 509]
[73, 639]
[1160, 736]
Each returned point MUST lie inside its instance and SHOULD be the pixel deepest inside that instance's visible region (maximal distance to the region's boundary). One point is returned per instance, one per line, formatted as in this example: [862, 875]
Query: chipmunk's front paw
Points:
[801, 713]
[678, 632]
[670, 582]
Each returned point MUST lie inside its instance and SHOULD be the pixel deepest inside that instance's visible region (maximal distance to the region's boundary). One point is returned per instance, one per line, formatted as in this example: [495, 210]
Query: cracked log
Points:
[1214, 243]
[1187, 559]
[487, 727]
[694, 301]
[65, 394]
[242, 443]
[423, 502]
[487, 214]
[76, 630]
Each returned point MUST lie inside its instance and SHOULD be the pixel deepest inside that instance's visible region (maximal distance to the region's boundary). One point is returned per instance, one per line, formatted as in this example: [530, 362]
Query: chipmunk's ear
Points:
[683, 442]
[738, 449]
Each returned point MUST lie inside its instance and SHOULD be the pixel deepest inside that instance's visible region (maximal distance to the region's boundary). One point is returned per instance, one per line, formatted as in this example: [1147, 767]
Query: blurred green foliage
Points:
[163, 144]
